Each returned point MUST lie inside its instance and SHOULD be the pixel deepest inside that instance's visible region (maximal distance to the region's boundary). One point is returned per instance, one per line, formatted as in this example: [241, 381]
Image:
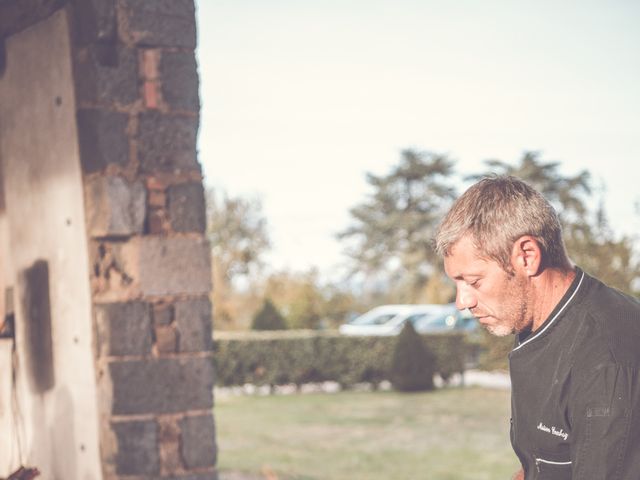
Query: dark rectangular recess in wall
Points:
[7, 322]
[36, 310]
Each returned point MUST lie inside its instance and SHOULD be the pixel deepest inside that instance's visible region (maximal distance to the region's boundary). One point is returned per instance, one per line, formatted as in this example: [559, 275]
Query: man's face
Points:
[497, 299]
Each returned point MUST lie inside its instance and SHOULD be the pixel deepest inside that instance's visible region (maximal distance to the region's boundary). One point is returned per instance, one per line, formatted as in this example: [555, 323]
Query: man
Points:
[575, 365]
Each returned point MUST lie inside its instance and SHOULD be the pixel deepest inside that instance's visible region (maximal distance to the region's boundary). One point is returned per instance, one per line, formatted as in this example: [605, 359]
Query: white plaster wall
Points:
[44, 218]
[8, 441]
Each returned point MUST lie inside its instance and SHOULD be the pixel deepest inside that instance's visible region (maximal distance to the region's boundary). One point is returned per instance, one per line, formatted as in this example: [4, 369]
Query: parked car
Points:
[389, 320]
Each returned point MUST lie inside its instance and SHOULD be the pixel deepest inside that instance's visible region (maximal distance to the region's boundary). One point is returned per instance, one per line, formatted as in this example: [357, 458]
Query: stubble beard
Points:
[515, 309]
[500, 330]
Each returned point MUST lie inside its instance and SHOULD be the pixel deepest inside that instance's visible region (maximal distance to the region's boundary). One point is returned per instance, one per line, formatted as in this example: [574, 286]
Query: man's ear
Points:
[526, 255]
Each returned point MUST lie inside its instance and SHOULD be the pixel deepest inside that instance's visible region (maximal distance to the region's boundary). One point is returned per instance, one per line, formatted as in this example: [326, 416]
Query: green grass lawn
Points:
[453, 433]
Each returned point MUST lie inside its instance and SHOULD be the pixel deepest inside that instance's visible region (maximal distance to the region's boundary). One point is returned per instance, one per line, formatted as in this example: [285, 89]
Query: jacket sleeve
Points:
[605, 423]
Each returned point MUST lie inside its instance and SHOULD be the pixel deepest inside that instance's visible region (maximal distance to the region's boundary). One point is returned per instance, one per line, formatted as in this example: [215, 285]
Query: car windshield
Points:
[441, 320]
[376, 319]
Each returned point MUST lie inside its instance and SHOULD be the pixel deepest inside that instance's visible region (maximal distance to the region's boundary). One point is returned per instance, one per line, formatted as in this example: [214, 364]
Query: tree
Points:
[268, 318]
[615, 260]
[340, 304]
[413, 364]
[308, 303]
[237, 232]
[299, 297]
[568, 194]
[590, 242]
[391, 232]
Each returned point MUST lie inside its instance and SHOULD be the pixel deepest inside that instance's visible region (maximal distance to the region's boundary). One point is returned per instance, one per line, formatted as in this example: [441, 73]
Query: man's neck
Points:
[549, 288]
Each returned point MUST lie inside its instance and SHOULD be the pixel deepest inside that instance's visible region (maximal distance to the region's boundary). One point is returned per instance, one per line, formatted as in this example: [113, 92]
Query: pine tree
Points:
[268, 318]
[413, 365]
[389, 239]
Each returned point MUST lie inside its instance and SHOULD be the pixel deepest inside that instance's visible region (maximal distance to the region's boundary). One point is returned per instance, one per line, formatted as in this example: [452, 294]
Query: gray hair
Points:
[498, 210]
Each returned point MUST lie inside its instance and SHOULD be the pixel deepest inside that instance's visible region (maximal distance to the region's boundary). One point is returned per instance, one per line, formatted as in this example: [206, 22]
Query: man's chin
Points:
[499, 330]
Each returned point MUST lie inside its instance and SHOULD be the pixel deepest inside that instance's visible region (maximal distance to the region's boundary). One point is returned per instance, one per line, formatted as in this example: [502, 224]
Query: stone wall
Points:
[138, 111]
[135, 85]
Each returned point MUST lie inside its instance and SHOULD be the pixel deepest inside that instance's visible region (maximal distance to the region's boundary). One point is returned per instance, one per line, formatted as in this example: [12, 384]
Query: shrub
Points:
[413, 365]
[268, 318]
[494, 351]
[302, 356]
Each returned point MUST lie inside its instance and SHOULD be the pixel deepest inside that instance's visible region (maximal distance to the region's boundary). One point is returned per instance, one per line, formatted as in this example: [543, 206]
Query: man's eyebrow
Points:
[465, 276]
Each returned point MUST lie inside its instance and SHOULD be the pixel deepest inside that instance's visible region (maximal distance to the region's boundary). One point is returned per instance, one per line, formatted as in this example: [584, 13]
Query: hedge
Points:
[306, 356]
[493, 352]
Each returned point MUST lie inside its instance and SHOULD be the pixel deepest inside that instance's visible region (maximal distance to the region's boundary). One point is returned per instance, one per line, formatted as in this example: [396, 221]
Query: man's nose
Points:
[464, 299]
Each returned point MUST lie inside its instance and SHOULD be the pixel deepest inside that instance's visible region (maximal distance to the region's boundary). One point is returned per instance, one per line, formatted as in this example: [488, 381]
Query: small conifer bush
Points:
[268, 318]
[412, 365]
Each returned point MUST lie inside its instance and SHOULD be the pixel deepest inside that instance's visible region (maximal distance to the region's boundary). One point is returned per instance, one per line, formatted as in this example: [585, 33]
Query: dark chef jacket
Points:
[575, 388]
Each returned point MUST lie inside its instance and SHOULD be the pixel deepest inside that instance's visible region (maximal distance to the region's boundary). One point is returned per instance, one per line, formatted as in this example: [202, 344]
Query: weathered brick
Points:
[167, 142]
[198, 444]
[166, 339]
[106, 271]
[156, 183]
[114, 206]
[157, 222]
[169, 23]
[151, 94]
[193, 319]
[150, 63]
[162, 314]
[164, 385]
[168, 265]
[137, 452]
[103, 138]
[187, 207]
[123, 328]
[107, 75]
[179, 73]
[169, 429]
[157, 198]
[170, 456]
[150, 265]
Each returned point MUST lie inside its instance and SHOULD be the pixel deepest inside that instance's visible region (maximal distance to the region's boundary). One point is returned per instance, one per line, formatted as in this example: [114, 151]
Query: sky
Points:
[300, 99]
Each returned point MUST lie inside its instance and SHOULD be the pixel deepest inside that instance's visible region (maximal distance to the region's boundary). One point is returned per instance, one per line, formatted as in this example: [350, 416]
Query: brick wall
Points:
[137, 111]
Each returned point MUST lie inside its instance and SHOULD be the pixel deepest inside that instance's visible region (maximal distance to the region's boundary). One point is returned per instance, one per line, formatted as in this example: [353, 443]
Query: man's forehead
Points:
[466, 270]
[464, 259]
[464, 248]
